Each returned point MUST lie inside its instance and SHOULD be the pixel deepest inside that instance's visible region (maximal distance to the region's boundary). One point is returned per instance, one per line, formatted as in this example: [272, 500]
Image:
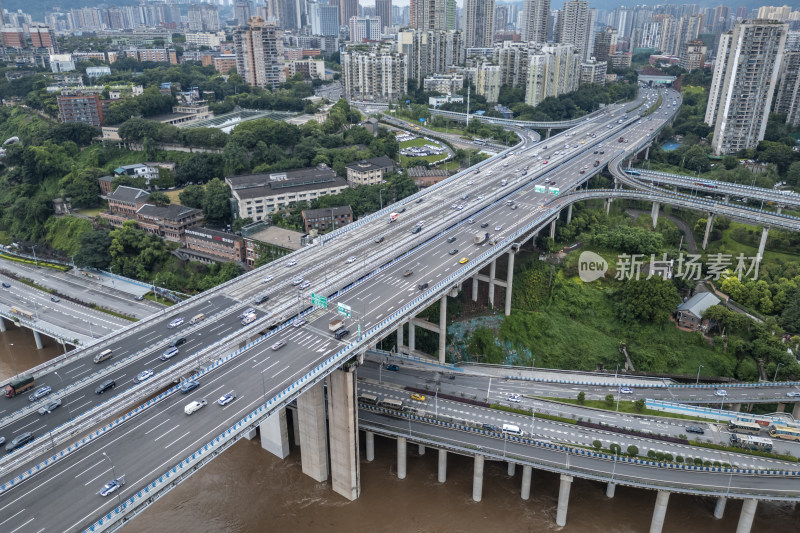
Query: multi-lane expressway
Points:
[162, 435]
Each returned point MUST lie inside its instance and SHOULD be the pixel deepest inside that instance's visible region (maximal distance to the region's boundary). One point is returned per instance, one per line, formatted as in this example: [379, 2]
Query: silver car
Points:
[50, 406]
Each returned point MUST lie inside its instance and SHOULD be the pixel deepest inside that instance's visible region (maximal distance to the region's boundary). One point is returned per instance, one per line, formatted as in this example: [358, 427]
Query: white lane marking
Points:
[166, 432]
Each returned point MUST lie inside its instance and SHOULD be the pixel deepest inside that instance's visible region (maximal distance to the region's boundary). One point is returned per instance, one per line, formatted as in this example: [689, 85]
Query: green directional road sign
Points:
[538, 188]
[343, 309]
[319, 301]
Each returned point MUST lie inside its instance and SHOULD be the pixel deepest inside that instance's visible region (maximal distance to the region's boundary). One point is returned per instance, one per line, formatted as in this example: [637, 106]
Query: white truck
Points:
[248, 318]
[480, 238]
[335, 324]
[393, 216]
[195, 406]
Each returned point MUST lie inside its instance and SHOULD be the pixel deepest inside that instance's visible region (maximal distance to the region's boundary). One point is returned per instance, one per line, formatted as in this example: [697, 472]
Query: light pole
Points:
[533, 418]
[614, 470]
[114, 473]
[69, 411]
[34, 254]
[697, 381]
[437, 402]
[10, 356]
[618, 395]
[380, 195]
[488, 390]
[776, 372]
[263, 386]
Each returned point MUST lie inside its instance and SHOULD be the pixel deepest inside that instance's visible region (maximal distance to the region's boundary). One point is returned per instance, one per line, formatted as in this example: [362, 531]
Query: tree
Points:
[649, 300]
[632, 450]
[483, 343]
[193, 196]
[581, 398]
[609, 400]
[199, 168]
[93, 250]
[82, 187]
[158, 198]
[596, 444]
[790, 318]
[216, 203]
[639, 405]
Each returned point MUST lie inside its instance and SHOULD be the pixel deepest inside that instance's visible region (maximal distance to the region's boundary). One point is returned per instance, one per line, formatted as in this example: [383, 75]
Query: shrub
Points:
[660, 456]
[639, 405]
[697, 461]
[651, 454]
[615, 449]
[609, 400]
[597, 444]
[668, 457]
[633, 451]
[679, 459]
[581, 397]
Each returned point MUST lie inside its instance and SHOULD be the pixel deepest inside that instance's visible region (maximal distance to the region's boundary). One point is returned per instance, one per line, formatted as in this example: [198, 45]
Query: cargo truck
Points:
[393, 216]
[480, 238]
[335, 324]
[19, 386]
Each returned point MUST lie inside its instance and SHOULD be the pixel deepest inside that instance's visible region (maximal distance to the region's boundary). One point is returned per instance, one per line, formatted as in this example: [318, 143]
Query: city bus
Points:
[784, 432]
[737, 426]
[762, 421]
[22, 313]
[633, 172]
[749, 442]
[389, 403]
[366, 397]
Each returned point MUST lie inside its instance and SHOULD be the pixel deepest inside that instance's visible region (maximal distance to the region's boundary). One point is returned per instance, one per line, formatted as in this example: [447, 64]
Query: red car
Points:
[545, 162]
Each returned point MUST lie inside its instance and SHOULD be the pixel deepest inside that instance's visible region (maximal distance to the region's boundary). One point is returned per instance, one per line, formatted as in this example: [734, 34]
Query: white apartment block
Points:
[787, 101]
[365, 29]
[205, 38]
[553, 69]
[377, 76]
[535, 15]
[478, 22]
[748, 63]
[488, 80]
[593, 71]
[259, 54]
[443, 83]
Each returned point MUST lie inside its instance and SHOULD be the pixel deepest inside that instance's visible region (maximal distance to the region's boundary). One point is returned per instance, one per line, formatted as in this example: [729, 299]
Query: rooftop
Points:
[375, 163]
[304, 179]
[698, 303]
[169, 212]
[328, 211]
[280, 237]
[128, 194]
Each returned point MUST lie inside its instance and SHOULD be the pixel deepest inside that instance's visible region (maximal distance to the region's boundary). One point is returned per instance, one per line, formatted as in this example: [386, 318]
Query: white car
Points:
[351, 259]
[195, 406]
[169, 353]
[228, 398]
[305, 285]
[498, 228]
[291, 263]
[267, 279]
[278, 345]
[625, 390]
[720, 392]
[514, 398]
[297, 281]
[175, 323]
[144, 375]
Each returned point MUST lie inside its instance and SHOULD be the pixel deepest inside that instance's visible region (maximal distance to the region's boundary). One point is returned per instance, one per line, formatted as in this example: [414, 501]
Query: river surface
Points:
[247, 489]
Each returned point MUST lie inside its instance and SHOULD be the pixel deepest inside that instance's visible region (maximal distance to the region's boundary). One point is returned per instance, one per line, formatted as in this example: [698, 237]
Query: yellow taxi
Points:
[418, 397]
[463, 260]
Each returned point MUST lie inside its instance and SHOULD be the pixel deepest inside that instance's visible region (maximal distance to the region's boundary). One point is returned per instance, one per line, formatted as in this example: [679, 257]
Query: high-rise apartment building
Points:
[203, 17]
[365, 29]
[259, 54]
[429, 52]
[573, 24]
[378, 75]
[324, 19]
[383, 9]
[500, 18]
[242, 11]
[553, 69]
[429, 14]
[347, 9]
[605, 43]
[748, 63]
[289, 14]
[535, 16]
[488, 79]
[693, 55]
[478, 23]
[787, 100]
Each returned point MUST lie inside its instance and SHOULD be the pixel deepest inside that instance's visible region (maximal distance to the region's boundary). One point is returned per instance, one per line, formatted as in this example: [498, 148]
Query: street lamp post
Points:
[697, 381]
[33, 248]
[488, 390]
[114, 472]
[776, 372]
[69, 411]
[437, 403]
[11, 356]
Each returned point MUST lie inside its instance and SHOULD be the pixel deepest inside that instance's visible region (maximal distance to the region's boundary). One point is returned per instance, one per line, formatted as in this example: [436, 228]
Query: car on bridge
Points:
[179, 342]
[491, 427]
[513, 397]
[50, 406]
[793, 394]
[6, 285]
[55, 299]
[169, 354]
[297, 281]
[454, 251]
[422, 286]
[463, 260]
[720, 392]
[407, 273]
[305, 285]
[188, 385]
[144, 375]
[418, 397]
[695, 429]
[104, 386]
[451, 239]
[175, 323]
[278, 345]
[291, 263]
[195, 406]
[40, 393]
[19, 441]
[267, 279]
[625, 390]
[226, 399]
[351, 259]
[111, 487]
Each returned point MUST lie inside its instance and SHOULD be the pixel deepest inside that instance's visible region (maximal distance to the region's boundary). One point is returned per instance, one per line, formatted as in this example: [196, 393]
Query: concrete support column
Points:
[475, 289]
[611, 489]
[569, 214]
[563, 500]
[400, 338]
[660, 511]
[512, 468]
[343, 433]
[370, 446]
[647, 153]
[654, 213]
[727, 199]
[492, 270]
[796, 411]
[608, 205]
[781, 407]
[763, 243]
[442, 477]
[477, 478]
[526, 481]
[509, 280]
[709, 224]
[275, 434]
[779, 209]
[421, 449]
[312, 422]
[719, 508]
[38, 339]
[2, 325]
[553, 229]
[735, 407]
[746, 518]
[442, 328]
[401, 457]
[548, 134]
[296, 426]
[412, 336]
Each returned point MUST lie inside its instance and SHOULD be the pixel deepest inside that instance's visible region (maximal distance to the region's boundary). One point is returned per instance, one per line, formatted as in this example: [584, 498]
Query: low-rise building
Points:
[443, 83]
[105, 185]
[258, 195]
[425, 177]
[369, 172]
[169, 222]
[96, 72]
[207, 245]
[690, 313]
[272, 241]
[83, 108]
[123, 204]
[138, 170]
[327, 218]
[593, 71]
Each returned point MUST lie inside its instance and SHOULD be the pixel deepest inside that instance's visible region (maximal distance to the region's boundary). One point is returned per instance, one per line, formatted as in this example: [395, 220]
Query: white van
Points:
[511, 429]
[249, 318]
[103, 356]
[198, 318]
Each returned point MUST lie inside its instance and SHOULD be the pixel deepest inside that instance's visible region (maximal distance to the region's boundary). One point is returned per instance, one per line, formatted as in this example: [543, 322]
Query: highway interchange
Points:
[163, 435]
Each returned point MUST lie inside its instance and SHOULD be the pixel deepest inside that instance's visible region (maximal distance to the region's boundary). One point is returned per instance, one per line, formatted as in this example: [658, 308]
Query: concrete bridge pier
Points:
[547, 136]
[509, 280]
[647, 153]
[314, 433]
[492, 270]
[275, 434]
[747, 515]
[400, 338]
[654, 213]
[611, 489]
[781, 407]
[553, 229]
[608, 205]
[563, 500]
[709, 224]
[569, 214]
[719, 508]
[421, 449]
[412, 336]
[401, 457]
[442, 477]
[796, 411]
[763, 243]
[442, 328]
[660, 511]
[512, 468]
[3, 325]
[38, 338]
[527, 470]
[477, 478]
[370, 446]
[343, 433]
[735, 407]
[475, 288]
